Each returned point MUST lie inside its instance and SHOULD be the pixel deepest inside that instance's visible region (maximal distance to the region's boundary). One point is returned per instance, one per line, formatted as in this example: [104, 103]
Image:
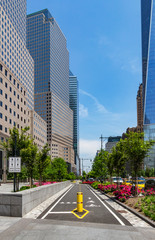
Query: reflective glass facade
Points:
[74, 105]
[47, 46]
[148, 64]
[13, 51]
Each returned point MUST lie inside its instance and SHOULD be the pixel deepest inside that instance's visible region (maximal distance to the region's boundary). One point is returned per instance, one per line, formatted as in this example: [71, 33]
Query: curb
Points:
[150, 222]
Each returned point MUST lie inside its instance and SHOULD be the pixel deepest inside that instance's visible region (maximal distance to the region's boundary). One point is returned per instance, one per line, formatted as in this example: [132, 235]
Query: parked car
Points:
[141, 184]
[150, 183]
[117, 180]
[127, 182]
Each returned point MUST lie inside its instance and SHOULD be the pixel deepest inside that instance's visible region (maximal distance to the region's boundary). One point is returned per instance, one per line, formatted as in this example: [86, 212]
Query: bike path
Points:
[98, 210]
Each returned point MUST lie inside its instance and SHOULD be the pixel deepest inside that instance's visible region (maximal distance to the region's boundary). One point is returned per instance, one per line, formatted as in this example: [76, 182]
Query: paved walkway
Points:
[30, 228]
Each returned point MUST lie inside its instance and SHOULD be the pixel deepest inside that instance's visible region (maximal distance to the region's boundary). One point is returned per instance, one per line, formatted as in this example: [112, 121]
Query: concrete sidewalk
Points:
[30, 229]
[8, 187]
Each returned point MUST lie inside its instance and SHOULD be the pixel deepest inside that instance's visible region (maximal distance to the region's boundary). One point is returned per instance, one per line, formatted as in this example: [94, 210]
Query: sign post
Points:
[14, 167]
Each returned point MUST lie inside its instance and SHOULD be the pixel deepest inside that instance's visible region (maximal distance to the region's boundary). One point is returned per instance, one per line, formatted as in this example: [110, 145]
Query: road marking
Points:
[120, 221]
[89, 198]
[86, 212]
[62, 203]
[68, 202]
[90, 201]
[59, 212]
[56, 203]
[92, 205]
[74, 202]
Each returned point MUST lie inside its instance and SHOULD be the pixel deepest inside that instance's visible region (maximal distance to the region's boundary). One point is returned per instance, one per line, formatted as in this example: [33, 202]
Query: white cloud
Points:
[88, 148]
[99, 106]
[83, 111]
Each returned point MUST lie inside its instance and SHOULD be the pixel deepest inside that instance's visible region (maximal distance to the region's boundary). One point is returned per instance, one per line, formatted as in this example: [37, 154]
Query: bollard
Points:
[79, 202]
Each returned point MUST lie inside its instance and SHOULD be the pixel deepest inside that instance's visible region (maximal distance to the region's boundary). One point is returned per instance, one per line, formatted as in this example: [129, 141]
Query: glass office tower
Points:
[47, 46]
[74, 105]
[148, 67]
[13, 51]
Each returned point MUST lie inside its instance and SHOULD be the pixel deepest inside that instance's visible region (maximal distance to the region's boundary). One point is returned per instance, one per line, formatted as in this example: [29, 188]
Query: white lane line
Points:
[59, 212]
[120, 221]
[57, 202]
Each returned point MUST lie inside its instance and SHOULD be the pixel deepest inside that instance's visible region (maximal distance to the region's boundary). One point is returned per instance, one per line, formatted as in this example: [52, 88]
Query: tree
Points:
[43, 160]
[16, 141]
[14, 144]
[110, 166]
[100, 165]
[29, 155]
[119, 158]
[136, 149]
[59, 168]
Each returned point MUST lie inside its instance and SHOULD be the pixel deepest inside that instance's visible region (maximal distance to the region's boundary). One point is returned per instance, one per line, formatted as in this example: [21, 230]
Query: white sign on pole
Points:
[14, 164]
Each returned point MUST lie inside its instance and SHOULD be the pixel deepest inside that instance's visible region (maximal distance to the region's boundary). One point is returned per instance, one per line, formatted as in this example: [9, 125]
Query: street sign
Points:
[14, 164]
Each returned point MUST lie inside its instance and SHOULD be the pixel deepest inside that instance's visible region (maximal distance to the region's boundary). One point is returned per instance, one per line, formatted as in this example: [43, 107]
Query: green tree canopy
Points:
[43, 160]
[100, 165]
[136, 149]
[59, 168]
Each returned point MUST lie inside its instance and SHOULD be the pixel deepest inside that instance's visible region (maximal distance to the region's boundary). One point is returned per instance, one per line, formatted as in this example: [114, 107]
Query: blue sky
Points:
[104, 42]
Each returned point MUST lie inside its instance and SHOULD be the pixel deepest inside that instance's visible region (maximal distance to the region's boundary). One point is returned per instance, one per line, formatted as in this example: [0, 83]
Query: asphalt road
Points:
[96, 210]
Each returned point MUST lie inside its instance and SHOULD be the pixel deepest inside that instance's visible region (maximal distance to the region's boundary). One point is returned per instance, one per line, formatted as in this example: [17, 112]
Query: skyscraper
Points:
[74, 105]
[140, 109]
[148, 68]
[47, 45]
[13, 51]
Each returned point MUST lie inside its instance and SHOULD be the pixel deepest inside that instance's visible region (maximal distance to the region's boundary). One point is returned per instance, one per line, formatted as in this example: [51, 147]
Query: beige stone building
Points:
[38, 129]
[14, 112]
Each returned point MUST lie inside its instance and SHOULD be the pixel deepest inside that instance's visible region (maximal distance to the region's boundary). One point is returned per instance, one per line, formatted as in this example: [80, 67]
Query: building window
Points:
[1, 80]
[14, 93]
[6, 96]
[1, 67]
[6, 130]
[18, 106]
[6, 85]
[1, 115]
[18, 96]
[1, 104]
[10, 77]
[10, 121]
[6, 119]
[14, 103]
[1, 91]
[10, 100]
[10, 110]
[18, 116]
[14, 113]
[14, 124]
[1, 127]
[14, 82]
[18, 85]
[10, 89]
[6, 72]
[6, 107]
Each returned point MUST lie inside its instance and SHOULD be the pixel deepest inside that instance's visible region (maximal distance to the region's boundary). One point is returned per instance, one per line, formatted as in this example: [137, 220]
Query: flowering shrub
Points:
[149, 192]
[123, 193]
[43, 183]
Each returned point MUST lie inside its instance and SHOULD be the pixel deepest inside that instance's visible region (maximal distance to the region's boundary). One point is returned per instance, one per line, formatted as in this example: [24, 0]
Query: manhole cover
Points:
[121, 211]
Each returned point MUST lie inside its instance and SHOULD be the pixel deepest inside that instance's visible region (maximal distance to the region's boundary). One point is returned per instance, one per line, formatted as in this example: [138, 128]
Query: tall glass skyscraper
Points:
[47, 46]
[148, 68]
[13, 51]
[74, 105]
